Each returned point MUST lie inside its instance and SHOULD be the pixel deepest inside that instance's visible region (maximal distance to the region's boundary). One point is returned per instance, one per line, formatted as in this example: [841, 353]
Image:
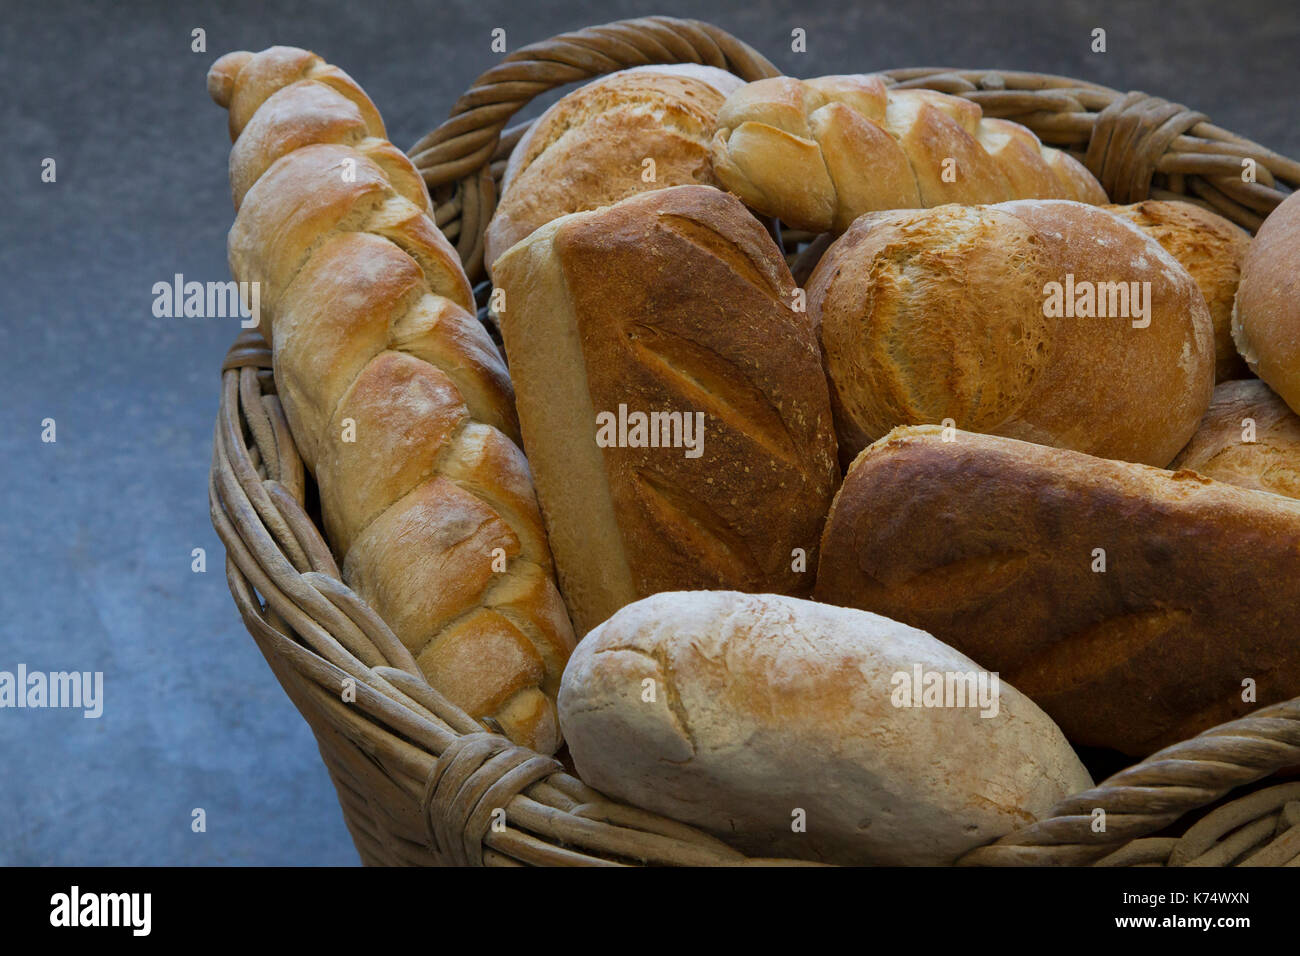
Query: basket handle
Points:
[456, 159]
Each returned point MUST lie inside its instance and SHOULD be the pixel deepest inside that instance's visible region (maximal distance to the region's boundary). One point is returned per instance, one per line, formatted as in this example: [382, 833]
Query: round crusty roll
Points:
[747, 715]
[398, 400]
[957, 314]
[589, 149]
[1266, 314]
[1211, 249]
[819, 153]
[1249, 437]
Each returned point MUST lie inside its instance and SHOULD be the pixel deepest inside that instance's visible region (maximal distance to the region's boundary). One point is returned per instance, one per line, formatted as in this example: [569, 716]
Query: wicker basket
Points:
[422, 783]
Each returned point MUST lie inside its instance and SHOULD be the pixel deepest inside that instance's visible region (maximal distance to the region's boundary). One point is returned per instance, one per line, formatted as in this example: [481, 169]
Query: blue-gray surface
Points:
[99, 526]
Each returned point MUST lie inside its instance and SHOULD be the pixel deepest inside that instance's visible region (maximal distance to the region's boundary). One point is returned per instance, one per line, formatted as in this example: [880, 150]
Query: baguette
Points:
[397, 399]
[947, 314]
[819, 153]
[1249, 438]
[1132, 604]
[590, 148]
[670, 303]
[747, 715]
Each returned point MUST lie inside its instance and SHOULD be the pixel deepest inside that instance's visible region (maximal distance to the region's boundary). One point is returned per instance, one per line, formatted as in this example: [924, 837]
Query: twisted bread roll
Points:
[819, 153]
[398, 400]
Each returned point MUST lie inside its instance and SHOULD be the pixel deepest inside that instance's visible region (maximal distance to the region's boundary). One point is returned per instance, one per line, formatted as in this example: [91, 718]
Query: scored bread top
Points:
[1211, 249]
[993, 546]
[674, 300]
[589, 149]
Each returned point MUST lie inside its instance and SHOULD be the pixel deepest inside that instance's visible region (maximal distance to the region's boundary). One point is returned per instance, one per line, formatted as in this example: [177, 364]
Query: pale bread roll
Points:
[733, 712]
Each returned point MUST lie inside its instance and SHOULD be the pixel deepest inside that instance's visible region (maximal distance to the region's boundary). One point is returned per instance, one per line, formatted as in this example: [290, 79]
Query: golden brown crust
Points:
[933, 314]
[316, 191]
[991, 545]
[819, 153]
[938, 133]
[928, 315]
[1266, 315]
[1249, 437]
[1117, 389]
[588, 150]
[398, 399]
[1210, 248]
[675, 300]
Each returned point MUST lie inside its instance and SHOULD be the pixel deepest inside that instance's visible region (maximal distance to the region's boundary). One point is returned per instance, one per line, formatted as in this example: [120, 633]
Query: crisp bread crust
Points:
[1266, 321]
[1211, 249]
[933, 314]
[589, 149]
[670, 301]
[682, 301]
[990, 545]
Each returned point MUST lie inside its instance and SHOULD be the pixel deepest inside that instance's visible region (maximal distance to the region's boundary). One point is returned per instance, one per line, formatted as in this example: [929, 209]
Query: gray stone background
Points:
[97, 529]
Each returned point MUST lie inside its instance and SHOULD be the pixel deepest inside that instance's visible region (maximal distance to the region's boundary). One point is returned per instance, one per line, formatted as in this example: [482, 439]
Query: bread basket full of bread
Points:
[726, 468]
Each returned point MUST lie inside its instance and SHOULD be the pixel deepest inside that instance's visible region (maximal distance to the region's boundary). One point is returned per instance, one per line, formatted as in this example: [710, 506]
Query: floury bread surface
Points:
[1044, 320]
[1131, 603]
[673, 301]
[733, 711]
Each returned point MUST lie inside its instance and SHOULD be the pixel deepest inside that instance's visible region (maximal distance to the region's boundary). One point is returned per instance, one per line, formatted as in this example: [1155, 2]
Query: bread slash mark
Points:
[720, 550]
[711, 383]
[1078, 659]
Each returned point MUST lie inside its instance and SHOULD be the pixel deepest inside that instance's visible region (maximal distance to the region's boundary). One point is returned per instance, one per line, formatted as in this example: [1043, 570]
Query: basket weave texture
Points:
[422, 783]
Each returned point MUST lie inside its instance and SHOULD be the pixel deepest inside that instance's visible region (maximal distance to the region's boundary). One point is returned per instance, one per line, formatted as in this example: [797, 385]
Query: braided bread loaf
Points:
[397, 398]
[819, 153]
